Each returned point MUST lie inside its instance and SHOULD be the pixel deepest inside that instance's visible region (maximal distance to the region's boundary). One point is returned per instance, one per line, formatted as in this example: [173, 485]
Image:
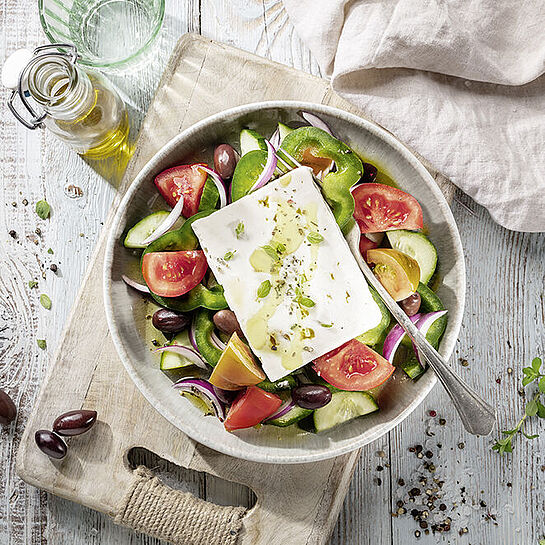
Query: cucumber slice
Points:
[171, 360]
[143, 229]
[291, 417]
[344, 406]
[251, 140]
[417, 246]
[377, 334]
[284, 130]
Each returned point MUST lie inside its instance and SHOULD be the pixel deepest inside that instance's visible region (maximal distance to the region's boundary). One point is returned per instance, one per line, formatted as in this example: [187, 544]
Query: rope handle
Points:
[158, 510]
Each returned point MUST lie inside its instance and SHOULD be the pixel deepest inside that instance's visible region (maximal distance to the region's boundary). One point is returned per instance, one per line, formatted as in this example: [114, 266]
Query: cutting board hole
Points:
[204, 486]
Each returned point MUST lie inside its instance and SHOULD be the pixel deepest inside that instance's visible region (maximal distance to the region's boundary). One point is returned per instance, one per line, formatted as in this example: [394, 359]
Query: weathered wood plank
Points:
[505, 304]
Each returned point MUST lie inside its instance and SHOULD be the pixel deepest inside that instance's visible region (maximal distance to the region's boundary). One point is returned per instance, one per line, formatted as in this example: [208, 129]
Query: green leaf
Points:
[43, 209]
[306, 301]
[32, 284]
[530, 436]
[542, 541]
[315, 238]
[540, 410]
[536, 364]
[326, 325]
[45, 301]
[280, 248]
[542, 385]
[271, 252]
[49, 251]
[41, 343]
[229, 255]
[239, 229]
[264, 288]
[531, 408]
[528, 371]
[527, 380]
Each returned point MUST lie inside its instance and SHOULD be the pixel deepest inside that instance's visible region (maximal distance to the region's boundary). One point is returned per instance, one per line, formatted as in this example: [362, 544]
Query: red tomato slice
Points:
[186, 180]
[381, 208]
[353, 366]
[250, 408]
[170, 274]
[366, 244]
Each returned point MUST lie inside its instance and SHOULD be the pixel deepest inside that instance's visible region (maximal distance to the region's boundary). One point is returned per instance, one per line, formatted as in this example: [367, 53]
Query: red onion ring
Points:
[217, 342]
[203, 389]
[191, 334]
[394, 338]
[189, 353]
[275, 139]
[315, 121]
[218, 181]
[268, 171]
[135, 285]
[285, 408]
[167, 223]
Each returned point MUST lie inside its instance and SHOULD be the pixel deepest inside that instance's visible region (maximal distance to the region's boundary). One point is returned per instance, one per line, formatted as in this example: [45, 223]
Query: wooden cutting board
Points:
[296, 504]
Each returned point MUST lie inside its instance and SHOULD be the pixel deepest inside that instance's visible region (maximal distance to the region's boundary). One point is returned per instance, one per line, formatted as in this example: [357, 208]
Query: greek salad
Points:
[265, 317]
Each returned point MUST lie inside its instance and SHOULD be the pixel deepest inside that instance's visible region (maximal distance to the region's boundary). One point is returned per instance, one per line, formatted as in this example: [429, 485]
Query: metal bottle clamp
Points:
[70, 52]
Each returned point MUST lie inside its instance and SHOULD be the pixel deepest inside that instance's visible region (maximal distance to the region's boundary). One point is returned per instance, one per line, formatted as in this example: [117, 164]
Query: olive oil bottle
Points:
[79, 106]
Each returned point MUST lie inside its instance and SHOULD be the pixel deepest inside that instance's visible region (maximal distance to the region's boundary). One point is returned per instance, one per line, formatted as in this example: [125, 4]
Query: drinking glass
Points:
[107, 33]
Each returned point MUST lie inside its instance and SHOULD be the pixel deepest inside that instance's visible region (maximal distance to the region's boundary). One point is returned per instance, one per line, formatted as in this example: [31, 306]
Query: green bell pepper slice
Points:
[247, 171]
[286, 383]
[199, 296]
[376, 336]
[335, 185]
[204, 326]
[181, 239]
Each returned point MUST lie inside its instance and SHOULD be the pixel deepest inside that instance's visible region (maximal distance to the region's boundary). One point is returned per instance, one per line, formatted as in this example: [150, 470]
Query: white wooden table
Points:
[497, 500]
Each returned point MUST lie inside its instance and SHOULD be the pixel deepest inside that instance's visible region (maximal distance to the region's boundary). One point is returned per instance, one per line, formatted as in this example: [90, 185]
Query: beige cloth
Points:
[178, 517]
[455, 80]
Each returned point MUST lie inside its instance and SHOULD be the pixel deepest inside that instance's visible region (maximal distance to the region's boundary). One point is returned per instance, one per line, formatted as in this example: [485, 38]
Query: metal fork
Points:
[477, 416]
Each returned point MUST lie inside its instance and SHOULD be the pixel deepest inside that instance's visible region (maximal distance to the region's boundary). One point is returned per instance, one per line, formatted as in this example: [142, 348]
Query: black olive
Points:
[170, 321]
[74, 422]
[311, 396]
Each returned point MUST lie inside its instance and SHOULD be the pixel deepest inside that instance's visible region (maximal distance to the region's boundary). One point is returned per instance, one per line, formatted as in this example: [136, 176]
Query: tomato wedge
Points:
[171, 274]
[381, 208]
[186, 180]
[250, 408]
[366, 244]
[353, 366]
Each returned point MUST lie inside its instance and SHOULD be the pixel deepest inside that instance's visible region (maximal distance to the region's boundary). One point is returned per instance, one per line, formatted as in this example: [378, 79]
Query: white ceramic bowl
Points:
[126, 310]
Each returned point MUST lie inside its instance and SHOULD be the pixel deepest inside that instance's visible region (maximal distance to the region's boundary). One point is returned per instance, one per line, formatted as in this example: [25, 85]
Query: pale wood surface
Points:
[503, 327]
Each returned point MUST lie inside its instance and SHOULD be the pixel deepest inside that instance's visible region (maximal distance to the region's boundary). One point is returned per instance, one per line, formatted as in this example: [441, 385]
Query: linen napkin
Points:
[458, 81]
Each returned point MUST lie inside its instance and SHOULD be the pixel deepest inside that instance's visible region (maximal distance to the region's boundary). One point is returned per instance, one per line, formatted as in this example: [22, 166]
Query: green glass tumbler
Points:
[107, 33]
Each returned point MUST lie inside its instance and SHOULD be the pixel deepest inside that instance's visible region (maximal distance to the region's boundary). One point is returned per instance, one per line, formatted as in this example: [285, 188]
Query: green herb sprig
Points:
[532, 375]
[264, 289]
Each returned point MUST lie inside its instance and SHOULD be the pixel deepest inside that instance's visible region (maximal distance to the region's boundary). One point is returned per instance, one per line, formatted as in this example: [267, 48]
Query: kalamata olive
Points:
[226, 321]
[74, 422]
[170, 321]
[369, 173]
[8, 411]
[225, 160]
[311, 396]
[411, 305]
[51, 444]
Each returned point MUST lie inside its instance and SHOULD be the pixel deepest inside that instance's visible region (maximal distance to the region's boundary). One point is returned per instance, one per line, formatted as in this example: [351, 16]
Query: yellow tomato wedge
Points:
[236, 367]
[396, 271]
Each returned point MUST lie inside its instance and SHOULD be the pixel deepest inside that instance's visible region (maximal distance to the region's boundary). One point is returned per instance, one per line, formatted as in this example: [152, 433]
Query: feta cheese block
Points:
[288, 273]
